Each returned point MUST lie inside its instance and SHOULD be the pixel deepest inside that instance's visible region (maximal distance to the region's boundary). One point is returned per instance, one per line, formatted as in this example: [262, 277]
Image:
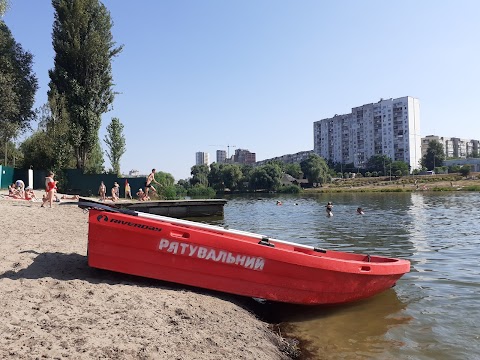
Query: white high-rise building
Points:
[453, 147]
[389, 127]
[201, 158]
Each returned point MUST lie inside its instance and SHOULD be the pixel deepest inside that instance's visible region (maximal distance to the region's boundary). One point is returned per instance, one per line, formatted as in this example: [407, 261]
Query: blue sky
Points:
[256, 74]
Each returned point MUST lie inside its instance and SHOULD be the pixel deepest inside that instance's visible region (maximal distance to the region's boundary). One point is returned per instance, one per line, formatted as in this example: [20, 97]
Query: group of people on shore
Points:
[141, 195]
[17, 190]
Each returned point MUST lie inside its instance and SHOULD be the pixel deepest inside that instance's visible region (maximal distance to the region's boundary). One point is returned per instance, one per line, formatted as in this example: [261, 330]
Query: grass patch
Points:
[471, 188]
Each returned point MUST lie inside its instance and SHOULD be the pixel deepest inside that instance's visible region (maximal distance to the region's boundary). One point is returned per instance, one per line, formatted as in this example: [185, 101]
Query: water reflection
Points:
[355, 330]
[433, 311]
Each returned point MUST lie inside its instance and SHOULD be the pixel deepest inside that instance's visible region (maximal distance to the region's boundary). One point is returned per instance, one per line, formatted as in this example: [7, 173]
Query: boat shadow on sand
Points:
[73, 266]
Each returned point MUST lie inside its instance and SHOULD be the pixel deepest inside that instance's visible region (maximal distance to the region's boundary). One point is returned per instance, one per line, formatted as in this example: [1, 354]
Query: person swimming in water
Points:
[329, 208]
[360, 211]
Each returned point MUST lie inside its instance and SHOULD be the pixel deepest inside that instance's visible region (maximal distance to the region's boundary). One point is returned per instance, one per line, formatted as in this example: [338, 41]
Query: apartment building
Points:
[454, 148]
[288, 158]
[243, 156]
[201, 158]
[221, 156]
[389, 127]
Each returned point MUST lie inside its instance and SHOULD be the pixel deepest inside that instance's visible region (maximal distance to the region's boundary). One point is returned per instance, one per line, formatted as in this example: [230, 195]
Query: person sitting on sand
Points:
[12, 190]
[360, 211]
[140, 195]
[29, 194]
[73, 197]
[115, 191]
[55, 197]
[20, 186]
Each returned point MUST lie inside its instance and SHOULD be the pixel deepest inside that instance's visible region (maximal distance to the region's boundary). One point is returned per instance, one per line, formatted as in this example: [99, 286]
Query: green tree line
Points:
[80, 91]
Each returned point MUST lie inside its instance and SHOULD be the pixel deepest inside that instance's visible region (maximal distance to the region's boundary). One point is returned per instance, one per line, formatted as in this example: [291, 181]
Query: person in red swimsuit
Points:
[50, 188]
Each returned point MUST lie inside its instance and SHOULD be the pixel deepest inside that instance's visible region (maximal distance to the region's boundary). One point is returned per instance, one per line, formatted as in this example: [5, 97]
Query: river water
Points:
[432, 313]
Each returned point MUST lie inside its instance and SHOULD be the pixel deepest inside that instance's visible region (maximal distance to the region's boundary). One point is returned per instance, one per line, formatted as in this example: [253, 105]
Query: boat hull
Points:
[217, 259]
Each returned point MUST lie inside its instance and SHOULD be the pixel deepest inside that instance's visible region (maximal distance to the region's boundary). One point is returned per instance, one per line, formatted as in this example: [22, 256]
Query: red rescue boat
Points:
[232, 261]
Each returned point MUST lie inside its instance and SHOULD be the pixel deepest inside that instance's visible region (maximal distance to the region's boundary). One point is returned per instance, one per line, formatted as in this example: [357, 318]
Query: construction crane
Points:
[225, 146]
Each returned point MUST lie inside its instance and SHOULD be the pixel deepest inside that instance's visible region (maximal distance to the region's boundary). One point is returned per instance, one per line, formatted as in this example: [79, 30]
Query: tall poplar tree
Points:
[4, 4]
[115, 141]
[82, 74]
[18, 86]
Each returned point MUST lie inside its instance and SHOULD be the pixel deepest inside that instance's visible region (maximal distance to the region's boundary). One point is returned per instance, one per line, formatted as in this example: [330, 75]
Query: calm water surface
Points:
[432, 313]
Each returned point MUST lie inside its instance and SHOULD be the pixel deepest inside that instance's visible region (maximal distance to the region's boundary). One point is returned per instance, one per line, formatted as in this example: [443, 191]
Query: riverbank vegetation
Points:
[314, 174]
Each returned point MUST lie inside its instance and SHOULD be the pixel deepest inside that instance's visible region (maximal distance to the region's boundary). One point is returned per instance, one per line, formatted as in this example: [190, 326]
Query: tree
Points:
[199, 175]
[399, 168]
[95, 162]
[47, 148]
[315, 169]
[215, 176]
[165, 179]
[18, 86]
[115, 141]
[435, 155]
[35, 151]
[4, 5]
[232, 176]
[465, 170]
[275, 172]
[474, 154]
[259, 179]
[84, 48]
[379, 163]
[294, 170]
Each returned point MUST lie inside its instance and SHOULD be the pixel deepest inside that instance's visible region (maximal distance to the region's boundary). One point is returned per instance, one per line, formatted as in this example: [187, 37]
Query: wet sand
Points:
[53, 305]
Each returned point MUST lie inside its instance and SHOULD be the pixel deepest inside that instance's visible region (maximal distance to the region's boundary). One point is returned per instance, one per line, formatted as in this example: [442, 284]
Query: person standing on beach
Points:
[50, 188]
[148, 183]
[102, 191]
[128, 191]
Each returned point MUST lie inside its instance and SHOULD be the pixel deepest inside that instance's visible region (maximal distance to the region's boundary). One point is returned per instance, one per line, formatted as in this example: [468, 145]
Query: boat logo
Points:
[127, 223]
[104, 217]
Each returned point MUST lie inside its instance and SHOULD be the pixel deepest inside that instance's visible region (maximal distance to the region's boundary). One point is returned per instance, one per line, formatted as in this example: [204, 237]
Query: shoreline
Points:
[452, 182]
[54, 305]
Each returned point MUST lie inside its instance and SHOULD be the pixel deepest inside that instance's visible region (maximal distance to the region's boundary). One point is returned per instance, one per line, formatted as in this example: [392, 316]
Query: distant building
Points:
[453, 147]
[474, 163]
[134, 173]
[289, 158]
[389, 127]
[201, 158]
[243, 156]
[221, 156]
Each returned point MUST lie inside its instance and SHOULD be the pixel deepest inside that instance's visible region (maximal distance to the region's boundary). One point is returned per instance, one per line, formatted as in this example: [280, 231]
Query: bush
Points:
[201, 191]
[170, 193]
[465, 170]
[290, 189]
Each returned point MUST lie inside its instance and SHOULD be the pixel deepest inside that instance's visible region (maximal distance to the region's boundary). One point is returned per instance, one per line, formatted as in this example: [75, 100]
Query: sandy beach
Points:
[53, 305]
